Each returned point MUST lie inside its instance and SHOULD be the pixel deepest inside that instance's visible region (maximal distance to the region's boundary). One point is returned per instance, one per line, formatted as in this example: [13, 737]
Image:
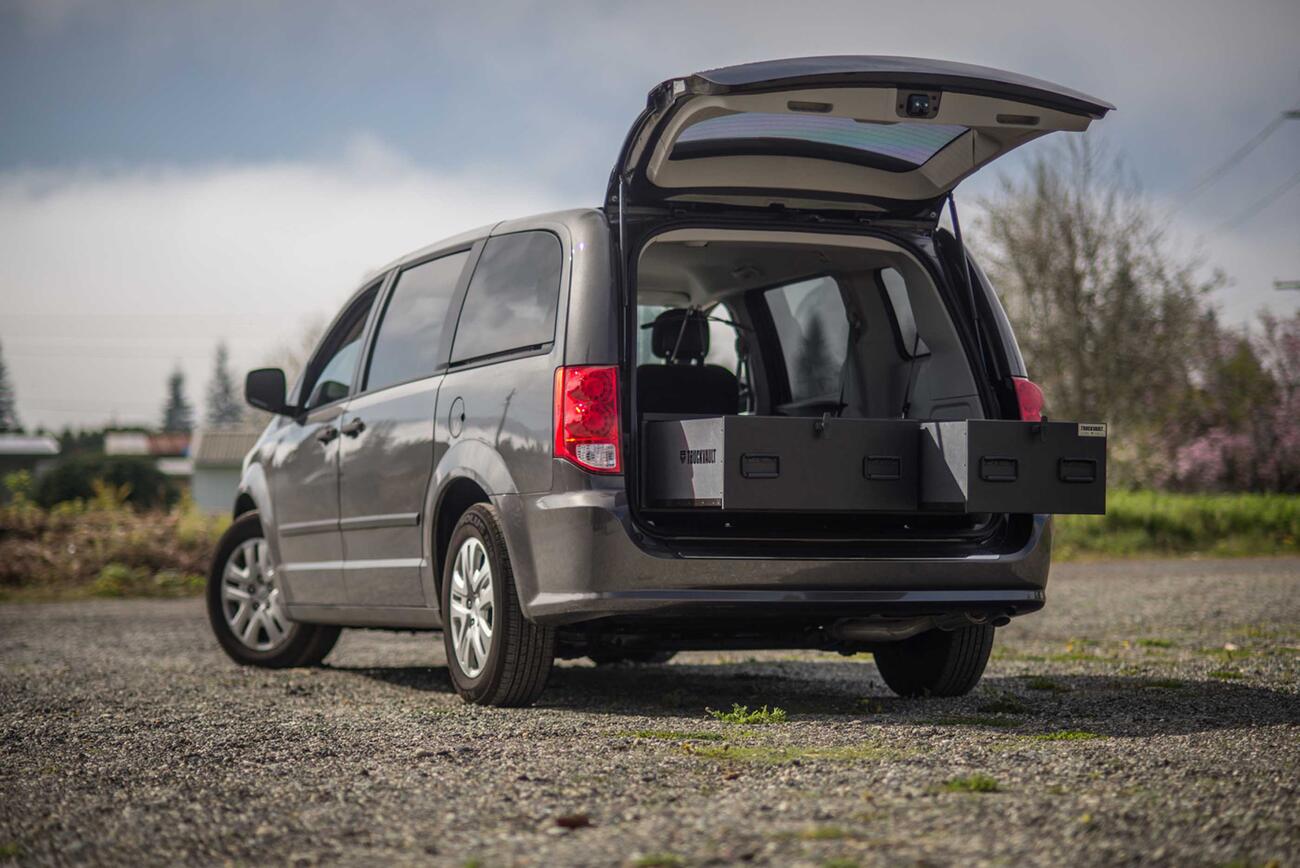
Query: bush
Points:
[103, 548]
[138, 480]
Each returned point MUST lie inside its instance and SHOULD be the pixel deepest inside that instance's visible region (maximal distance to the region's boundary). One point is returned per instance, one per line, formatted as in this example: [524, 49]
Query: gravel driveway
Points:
[1150, 713]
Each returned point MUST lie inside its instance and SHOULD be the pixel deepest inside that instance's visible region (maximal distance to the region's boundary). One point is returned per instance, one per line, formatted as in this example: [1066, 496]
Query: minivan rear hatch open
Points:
[882, 134]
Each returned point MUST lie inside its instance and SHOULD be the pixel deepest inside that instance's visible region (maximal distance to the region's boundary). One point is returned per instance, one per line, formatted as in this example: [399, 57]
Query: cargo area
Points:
[806, 385]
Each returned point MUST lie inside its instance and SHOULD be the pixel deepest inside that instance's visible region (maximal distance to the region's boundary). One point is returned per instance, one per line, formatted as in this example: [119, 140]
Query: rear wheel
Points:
[495, 655]
[937, 662]
[246, 607]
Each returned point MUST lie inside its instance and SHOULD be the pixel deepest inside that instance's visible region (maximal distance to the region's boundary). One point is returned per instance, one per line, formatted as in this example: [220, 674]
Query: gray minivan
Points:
[758, 399]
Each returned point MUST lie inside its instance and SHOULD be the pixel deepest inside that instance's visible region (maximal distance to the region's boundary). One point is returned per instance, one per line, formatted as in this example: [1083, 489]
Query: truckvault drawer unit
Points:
[991, 465]
[779, 464]
[783, 464]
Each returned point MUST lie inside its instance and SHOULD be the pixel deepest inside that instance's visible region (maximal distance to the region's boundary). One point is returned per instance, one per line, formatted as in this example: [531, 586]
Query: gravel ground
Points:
[1150, 713]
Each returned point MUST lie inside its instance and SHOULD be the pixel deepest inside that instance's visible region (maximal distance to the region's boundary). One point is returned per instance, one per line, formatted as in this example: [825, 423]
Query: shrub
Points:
[131, 479]
[78, 548]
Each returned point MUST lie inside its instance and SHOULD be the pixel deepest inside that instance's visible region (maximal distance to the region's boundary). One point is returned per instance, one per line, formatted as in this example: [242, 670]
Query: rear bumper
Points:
[575, 559]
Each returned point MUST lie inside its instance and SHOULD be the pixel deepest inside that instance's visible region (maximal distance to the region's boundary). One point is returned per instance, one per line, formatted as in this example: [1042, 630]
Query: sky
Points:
[174, 174]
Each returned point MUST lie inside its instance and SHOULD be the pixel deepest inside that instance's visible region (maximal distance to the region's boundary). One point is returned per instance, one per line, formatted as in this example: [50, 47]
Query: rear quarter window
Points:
[512, 297]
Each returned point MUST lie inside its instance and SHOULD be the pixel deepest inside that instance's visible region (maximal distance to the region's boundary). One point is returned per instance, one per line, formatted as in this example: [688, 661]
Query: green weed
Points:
[1065, 735]
[740, 714]
[977, 783]
[672, 735]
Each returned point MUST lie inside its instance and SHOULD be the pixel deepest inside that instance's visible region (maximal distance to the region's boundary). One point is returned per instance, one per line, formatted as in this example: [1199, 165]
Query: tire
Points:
[278, 643]
[510, 664]
[613, 658]
[937, 662]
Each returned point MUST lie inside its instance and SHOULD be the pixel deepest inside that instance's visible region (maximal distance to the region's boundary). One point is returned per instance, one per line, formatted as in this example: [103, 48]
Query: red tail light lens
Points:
[586, 418]
[1030, 398]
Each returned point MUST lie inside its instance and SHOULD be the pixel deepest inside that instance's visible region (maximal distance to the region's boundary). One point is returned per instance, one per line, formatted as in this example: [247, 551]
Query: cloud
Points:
[111, 277]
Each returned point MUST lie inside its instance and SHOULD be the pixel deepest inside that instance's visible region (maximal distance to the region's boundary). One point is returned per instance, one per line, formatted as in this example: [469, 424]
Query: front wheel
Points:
[245, 605]
[936, 662]
[495, 655]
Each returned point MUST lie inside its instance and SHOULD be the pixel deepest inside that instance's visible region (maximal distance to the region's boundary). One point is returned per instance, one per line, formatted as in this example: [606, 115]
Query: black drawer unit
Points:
[989, 465]
[770, 463]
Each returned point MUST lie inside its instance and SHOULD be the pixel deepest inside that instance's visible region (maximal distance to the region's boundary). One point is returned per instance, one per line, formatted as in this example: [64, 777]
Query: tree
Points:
[1111, 319]
[178, 415]
[8, 402]
[816, 371]
[224, 405]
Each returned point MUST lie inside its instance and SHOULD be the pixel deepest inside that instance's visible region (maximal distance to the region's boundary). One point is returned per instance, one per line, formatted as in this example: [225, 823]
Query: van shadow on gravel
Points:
[1118, 705]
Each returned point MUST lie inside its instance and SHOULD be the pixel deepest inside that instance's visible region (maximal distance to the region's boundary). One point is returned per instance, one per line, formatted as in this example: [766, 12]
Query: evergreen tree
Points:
[8, 403]
[224, 406]
[178, 415]
[816, 371]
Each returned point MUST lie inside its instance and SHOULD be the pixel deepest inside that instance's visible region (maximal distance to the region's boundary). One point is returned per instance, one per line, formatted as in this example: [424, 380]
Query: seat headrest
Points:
[681, 328]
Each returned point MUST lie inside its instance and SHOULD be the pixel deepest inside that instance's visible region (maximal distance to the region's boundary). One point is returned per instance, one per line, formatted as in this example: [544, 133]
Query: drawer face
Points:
[781, 464]
[1006, 466]
[858, 465]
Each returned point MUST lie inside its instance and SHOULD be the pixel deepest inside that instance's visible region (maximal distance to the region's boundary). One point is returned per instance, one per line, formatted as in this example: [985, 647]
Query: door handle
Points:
[327, 434]
[353, 428]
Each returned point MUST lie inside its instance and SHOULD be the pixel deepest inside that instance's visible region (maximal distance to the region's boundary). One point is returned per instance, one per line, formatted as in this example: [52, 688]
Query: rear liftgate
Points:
[888, 137]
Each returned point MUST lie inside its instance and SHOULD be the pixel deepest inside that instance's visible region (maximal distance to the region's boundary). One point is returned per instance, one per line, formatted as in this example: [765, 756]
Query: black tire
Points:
[643, 658]
[937, 662]
[520, 653]
[304, 645]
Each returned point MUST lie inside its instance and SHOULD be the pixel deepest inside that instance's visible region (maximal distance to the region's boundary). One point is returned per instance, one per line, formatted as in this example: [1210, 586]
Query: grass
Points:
[1065, 735]
[840, 862]
[659, 860]
[977, 783]
[1038, 682]
[740, 714]
[782, 754]
[1165, 684]
[823, 833]
[1159, 524]
[1005, 704]
[1155, 643]
[976, 720]
[1226, 674]
[672, 735]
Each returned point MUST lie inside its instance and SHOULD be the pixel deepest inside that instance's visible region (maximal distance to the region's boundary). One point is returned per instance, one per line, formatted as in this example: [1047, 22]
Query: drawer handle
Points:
[999, 468]
[760, 466]
[883, 468]
[1077, 469]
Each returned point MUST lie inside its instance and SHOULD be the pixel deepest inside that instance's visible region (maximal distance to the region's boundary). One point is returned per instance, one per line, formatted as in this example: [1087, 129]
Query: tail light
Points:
[586, 417]
[1030, 399]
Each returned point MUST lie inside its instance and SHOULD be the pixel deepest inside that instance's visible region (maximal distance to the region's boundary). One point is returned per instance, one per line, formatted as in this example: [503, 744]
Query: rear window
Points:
[512, 297]
[896, 146]
[813, 330]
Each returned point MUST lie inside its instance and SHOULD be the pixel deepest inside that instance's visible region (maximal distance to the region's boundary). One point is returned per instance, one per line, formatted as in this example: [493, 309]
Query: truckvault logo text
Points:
[699, 456]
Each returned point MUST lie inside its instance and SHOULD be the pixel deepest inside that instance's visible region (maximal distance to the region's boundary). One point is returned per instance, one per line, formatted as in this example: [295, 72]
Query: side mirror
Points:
[264, 389]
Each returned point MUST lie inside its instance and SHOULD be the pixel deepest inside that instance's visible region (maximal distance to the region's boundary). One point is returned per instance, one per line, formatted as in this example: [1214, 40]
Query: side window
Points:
[512, 297]
[409, 338]
[813, 330]
[336, 362]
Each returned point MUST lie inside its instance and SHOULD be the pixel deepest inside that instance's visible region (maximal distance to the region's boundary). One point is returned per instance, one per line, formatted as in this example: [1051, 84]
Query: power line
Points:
[1238, 155]
[1262, 203]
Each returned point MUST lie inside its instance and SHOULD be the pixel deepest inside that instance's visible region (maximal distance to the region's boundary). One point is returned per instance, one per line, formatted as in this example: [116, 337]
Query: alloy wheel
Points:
[472, 613]
[251, 599]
